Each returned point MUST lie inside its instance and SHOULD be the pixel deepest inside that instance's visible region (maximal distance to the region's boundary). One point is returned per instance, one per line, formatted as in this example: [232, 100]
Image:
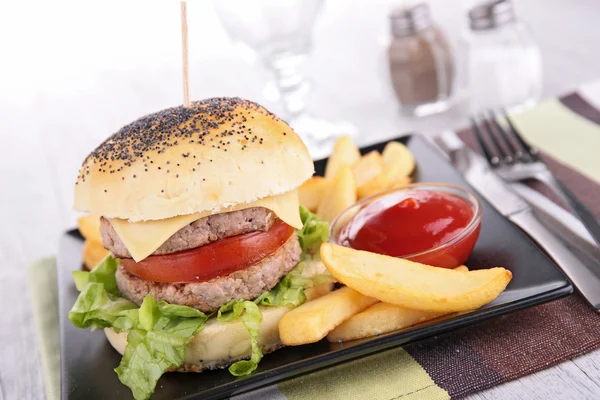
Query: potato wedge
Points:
[93, 253]
[380, 183]
[367, 168]
[381, 318]
[413, 285]
[312, 191]
[399, 161]
[378, 319]
[340, 195]
[312, 321]
[314, 292]
[89, 227]
[345, 153]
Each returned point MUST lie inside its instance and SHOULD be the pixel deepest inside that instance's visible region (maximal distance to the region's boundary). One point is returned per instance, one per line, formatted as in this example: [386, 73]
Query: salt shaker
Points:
[503, 64]
[421, 62]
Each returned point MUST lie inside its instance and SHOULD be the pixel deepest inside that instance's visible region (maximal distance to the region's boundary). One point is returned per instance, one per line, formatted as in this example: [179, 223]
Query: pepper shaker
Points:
[421, 62]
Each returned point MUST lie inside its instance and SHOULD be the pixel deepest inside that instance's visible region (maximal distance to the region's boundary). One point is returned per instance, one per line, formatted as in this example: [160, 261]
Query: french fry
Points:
[340, 195]
[381, 318]
[376, 320]
[413, 285]
[345, 154]
[316, 291]
[312, 321]
[311, 192]
[381, 182]
[89, 227]
[93, 253]
[399, 161]
[367, 168]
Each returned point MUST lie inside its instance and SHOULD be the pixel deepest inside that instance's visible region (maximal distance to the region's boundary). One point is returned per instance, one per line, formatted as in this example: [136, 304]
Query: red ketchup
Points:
[420, 225]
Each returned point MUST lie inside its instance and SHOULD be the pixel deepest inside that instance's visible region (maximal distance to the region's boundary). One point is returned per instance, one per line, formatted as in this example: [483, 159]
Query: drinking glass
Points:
[279, 34]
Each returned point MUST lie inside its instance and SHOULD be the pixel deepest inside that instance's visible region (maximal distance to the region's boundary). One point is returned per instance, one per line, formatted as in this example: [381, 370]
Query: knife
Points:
[584, 276]
[560, 221]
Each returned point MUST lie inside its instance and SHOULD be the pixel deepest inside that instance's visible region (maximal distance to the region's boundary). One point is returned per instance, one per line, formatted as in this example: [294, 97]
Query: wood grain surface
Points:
[73, 72]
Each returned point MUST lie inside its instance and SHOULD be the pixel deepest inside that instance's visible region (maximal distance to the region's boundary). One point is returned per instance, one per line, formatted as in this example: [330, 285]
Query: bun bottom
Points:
[219, 344]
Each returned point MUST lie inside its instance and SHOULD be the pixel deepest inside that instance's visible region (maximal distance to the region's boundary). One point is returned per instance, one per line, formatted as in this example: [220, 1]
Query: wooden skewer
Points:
[184, 54]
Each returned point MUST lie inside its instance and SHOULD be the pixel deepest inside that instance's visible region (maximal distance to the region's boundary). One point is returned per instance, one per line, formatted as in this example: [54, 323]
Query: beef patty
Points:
[198, 233]
[209, 296]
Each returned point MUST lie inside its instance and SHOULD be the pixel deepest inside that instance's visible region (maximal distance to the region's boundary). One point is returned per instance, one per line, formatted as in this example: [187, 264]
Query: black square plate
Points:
[88, 359]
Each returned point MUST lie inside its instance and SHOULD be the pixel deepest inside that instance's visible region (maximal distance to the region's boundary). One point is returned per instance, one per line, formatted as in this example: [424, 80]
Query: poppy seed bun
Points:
[217, 153]
[220, 344]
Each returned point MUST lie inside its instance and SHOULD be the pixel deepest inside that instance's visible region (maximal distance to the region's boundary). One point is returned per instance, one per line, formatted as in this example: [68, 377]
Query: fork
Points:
[514, 160]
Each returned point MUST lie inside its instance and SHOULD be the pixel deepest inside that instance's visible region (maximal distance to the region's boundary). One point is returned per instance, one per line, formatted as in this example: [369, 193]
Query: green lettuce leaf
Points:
[290, 290]
[103, 273]
[314, 232]
[230, 311]
[81, 278]
[156, 344]
[252, 320]
[96, 308]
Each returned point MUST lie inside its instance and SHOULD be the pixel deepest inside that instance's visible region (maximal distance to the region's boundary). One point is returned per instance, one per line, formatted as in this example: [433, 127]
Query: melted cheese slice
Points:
[144, 237]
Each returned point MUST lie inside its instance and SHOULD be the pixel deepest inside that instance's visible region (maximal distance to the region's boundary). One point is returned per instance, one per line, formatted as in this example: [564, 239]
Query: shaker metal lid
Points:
[409, 20]
[491, 14]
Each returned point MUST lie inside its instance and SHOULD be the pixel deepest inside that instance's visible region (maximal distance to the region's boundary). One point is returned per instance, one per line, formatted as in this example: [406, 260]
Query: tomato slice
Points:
[212, 260]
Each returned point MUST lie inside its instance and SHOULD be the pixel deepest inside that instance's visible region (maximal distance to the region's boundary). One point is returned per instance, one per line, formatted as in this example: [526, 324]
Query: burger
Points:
[209, 247]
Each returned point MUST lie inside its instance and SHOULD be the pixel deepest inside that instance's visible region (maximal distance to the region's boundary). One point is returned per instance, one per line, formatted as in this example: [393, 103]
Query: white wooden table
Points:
[73, 72]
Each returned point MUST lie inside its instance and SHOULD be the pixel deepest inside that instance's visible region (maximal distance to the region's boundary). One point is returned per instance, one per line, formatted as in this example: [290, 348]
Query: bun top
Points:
[217, 153]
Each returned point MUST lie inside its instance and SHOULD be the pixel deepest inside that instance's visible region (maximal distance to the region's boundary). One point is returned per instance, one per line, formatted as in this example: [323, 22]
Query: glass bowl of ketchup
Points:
[431, 223]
